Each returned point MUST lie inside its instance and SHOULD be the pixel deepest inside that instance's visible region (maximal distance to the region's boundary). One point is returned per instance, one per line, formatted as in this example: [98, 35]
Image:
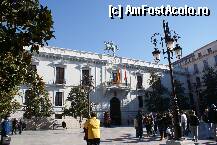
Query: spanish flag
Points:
[125, 74]
[118, 76]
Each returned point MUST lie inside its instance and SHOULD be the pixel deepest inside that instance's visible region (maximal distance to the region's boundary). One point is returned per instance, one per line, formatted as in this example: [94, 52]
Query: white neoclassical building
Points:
[194, 64]
[119, 83]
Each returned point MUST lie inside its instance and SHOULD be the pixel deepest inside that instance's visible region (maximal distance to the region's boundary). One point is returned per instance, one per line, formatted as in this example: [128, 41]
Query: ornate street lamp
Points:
[169, 39]
[87, 87]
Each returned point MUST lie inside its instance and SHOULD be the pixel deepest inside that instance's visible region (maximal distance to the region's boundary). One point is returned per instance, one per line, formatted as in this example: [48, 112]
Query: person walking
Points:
[135, 124]
[20, 126]
[93, 127]
[14, 126]
[148, 121]
[194, 123]
[162, 125]
[207, 126]
[5, 131]
[184, 123]
[212, 116]
[139, 118]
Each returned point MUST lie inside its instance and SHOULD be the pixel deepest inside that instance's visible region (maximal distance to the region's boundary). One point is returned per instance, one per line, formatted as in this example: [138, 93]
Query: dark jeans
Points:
[14, 130]
[95, 141]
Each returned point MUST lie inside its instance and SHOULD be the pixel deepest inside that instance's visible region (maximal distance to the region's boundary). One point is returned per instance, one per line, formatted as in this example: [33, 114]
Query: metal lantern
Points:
[178, 51]
[170, 43]
[156, 54]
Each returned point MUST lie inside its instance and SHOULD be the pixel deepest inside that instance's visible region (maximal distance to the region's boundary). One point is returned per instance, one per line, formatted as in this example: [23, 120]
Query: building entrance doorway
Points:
[115, 111]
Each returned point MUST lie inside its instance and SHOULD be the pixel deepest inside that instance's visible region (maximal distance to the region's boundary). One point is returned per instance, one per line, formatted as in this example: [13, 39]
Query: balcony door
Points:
[115, 111]
[60, 75]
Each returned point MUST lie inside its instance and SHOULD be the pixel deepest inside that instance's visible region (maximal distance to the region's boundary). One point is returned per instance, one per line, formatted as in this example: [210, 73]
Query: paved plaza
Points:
[110, 136]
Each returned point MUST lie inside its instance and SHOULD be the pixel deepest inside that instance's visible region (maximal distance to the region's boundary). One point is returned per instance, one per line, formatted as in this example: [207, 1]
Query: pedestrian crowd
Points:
[10, 127]
[163, 124]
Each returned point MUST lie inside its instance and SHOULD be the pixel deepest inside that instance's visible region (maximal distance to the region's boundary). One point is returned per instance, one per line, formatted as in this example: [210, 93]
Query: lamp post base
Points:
[179, 142]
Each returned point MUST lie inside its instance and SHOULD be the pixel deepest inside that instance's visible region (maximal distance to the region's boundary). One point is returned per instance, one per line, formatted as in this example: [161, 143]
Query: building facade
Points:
[195, 63]
[119, 83]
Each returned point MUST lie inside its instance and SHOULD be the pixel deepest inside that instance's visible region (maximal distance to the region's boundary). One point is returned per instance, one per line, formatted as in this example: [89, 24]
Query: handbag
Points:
[6, 140]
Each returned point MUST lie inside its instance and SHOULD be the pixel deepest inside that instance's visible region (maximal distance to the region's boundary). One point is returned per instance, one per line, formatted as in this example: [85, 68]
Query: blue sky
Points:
[85, 25]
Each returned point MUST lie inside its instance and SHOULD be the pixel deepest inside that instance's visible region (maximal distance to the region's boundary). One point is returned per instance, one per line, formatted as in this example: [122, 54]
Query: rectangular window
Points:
[27, 93]
[59, 75]
[189, 84]
[209, 50]
[139, 81]
[58, 116]
[34, 67]
[199, 54]
[215, 57]
[198, 82]
[59, 99]
[205, 64]
[85, 77]
[196, 69]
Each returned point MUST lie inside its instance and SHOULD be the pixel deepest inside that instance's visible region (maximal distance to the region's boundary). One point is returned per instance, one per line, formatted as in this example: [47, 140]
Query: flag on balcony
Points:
[118, 76]
[125, 74]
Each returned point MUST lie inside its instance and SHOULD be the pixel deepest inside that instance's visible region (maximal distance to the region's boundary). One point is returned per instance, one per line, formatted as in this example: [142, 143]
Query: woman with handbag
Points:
[5, 138]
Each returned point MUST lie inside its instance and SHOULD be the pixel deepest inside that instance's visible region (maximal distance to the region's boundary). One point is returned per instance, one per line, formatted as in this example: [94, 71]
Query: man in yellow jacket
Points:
[93, 126]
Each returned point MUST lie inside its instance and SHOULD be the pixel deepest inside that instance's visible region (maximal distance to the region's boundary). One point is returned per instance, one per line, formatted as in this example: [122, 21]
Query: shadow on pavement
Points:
[128, 138]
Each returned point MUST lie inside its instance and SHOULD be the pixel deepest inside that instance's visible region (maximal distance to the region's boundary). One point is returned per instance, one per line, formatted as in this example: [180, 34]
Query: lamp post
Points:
[169, 38]
[87, 87]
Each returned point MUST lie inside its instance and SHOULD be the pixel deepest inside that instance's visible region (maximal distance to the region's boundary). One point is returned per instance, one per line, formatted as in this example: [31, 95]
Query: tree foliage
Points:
[157, 100]
[210, 83]
[22, 23]
[183, 101]
[79, 103]
[37, 100]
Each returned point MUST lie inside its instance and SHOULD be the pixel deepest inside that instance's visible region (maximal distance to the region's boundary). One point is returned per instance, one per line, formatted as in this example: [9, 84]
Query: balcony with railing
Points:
[60, 82]
[117, 86]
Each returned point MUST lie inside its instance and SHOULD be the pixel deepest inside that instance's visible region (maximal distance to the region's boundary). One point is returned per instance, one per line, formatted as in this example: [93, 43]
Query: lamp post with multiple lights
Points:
[169, 39]
[87, 87]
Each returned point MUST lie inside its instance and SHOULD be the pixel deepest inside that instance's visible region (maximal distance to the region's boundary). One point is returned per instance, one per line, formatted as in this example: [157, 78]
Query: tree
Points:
[79, 103]
[210, 83]
[37, 100]
[157, 100]
[183, 101]
[22, 23]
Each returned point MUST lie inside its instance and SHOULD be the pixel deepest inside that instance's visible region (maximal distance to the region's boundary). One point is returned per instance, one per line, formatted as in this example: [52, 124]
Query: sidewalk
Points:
[109, 136]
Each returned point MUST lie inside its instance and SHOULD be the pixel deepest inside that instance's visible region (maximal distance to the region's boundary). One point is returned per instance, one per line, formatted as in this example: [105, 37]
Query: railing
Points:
[60, 81]
[117, 84]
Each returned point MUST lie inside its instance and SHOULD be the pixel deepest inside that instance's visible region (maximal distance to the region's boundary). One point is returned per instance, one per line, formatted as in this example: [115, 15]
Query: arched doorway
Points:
[115, 111]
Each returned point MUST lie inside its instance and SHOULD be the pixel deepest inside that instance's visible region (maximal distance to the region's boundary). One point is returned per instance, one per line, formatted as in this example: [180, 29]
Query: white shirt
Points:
[183, 118]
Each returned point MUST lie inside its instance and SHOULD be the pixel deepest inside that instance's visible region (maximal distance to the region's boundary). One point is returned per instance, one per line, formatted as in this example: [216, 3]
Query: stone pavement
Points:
[110, 136]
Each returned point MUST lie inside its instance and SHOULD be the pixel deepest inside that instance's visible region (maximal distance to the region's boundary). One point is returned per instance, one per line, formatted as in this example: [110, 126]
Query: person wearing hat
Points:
[212, 116]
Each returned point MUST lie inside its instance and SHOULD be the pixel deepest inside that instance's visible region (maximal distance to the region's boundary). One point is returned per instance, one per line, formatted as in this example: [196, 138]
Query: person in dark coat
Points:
[162, 125]
[139, 118]
[6, 129]
[212, 116]
[14, 126]
[20, 126]
[194, 123]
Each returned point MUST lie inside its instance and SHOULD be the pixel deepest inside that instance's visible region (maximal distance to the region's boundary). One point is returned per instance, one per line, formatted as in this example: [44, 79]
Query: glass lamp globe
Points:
[156, 54]
[178, 51]
[170, 43]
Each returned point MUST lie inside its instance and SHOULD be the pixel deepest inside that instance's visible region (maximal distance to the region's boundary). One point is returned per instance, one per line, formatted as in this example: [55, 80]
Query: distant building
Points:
[120, 83]
[195, 63]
